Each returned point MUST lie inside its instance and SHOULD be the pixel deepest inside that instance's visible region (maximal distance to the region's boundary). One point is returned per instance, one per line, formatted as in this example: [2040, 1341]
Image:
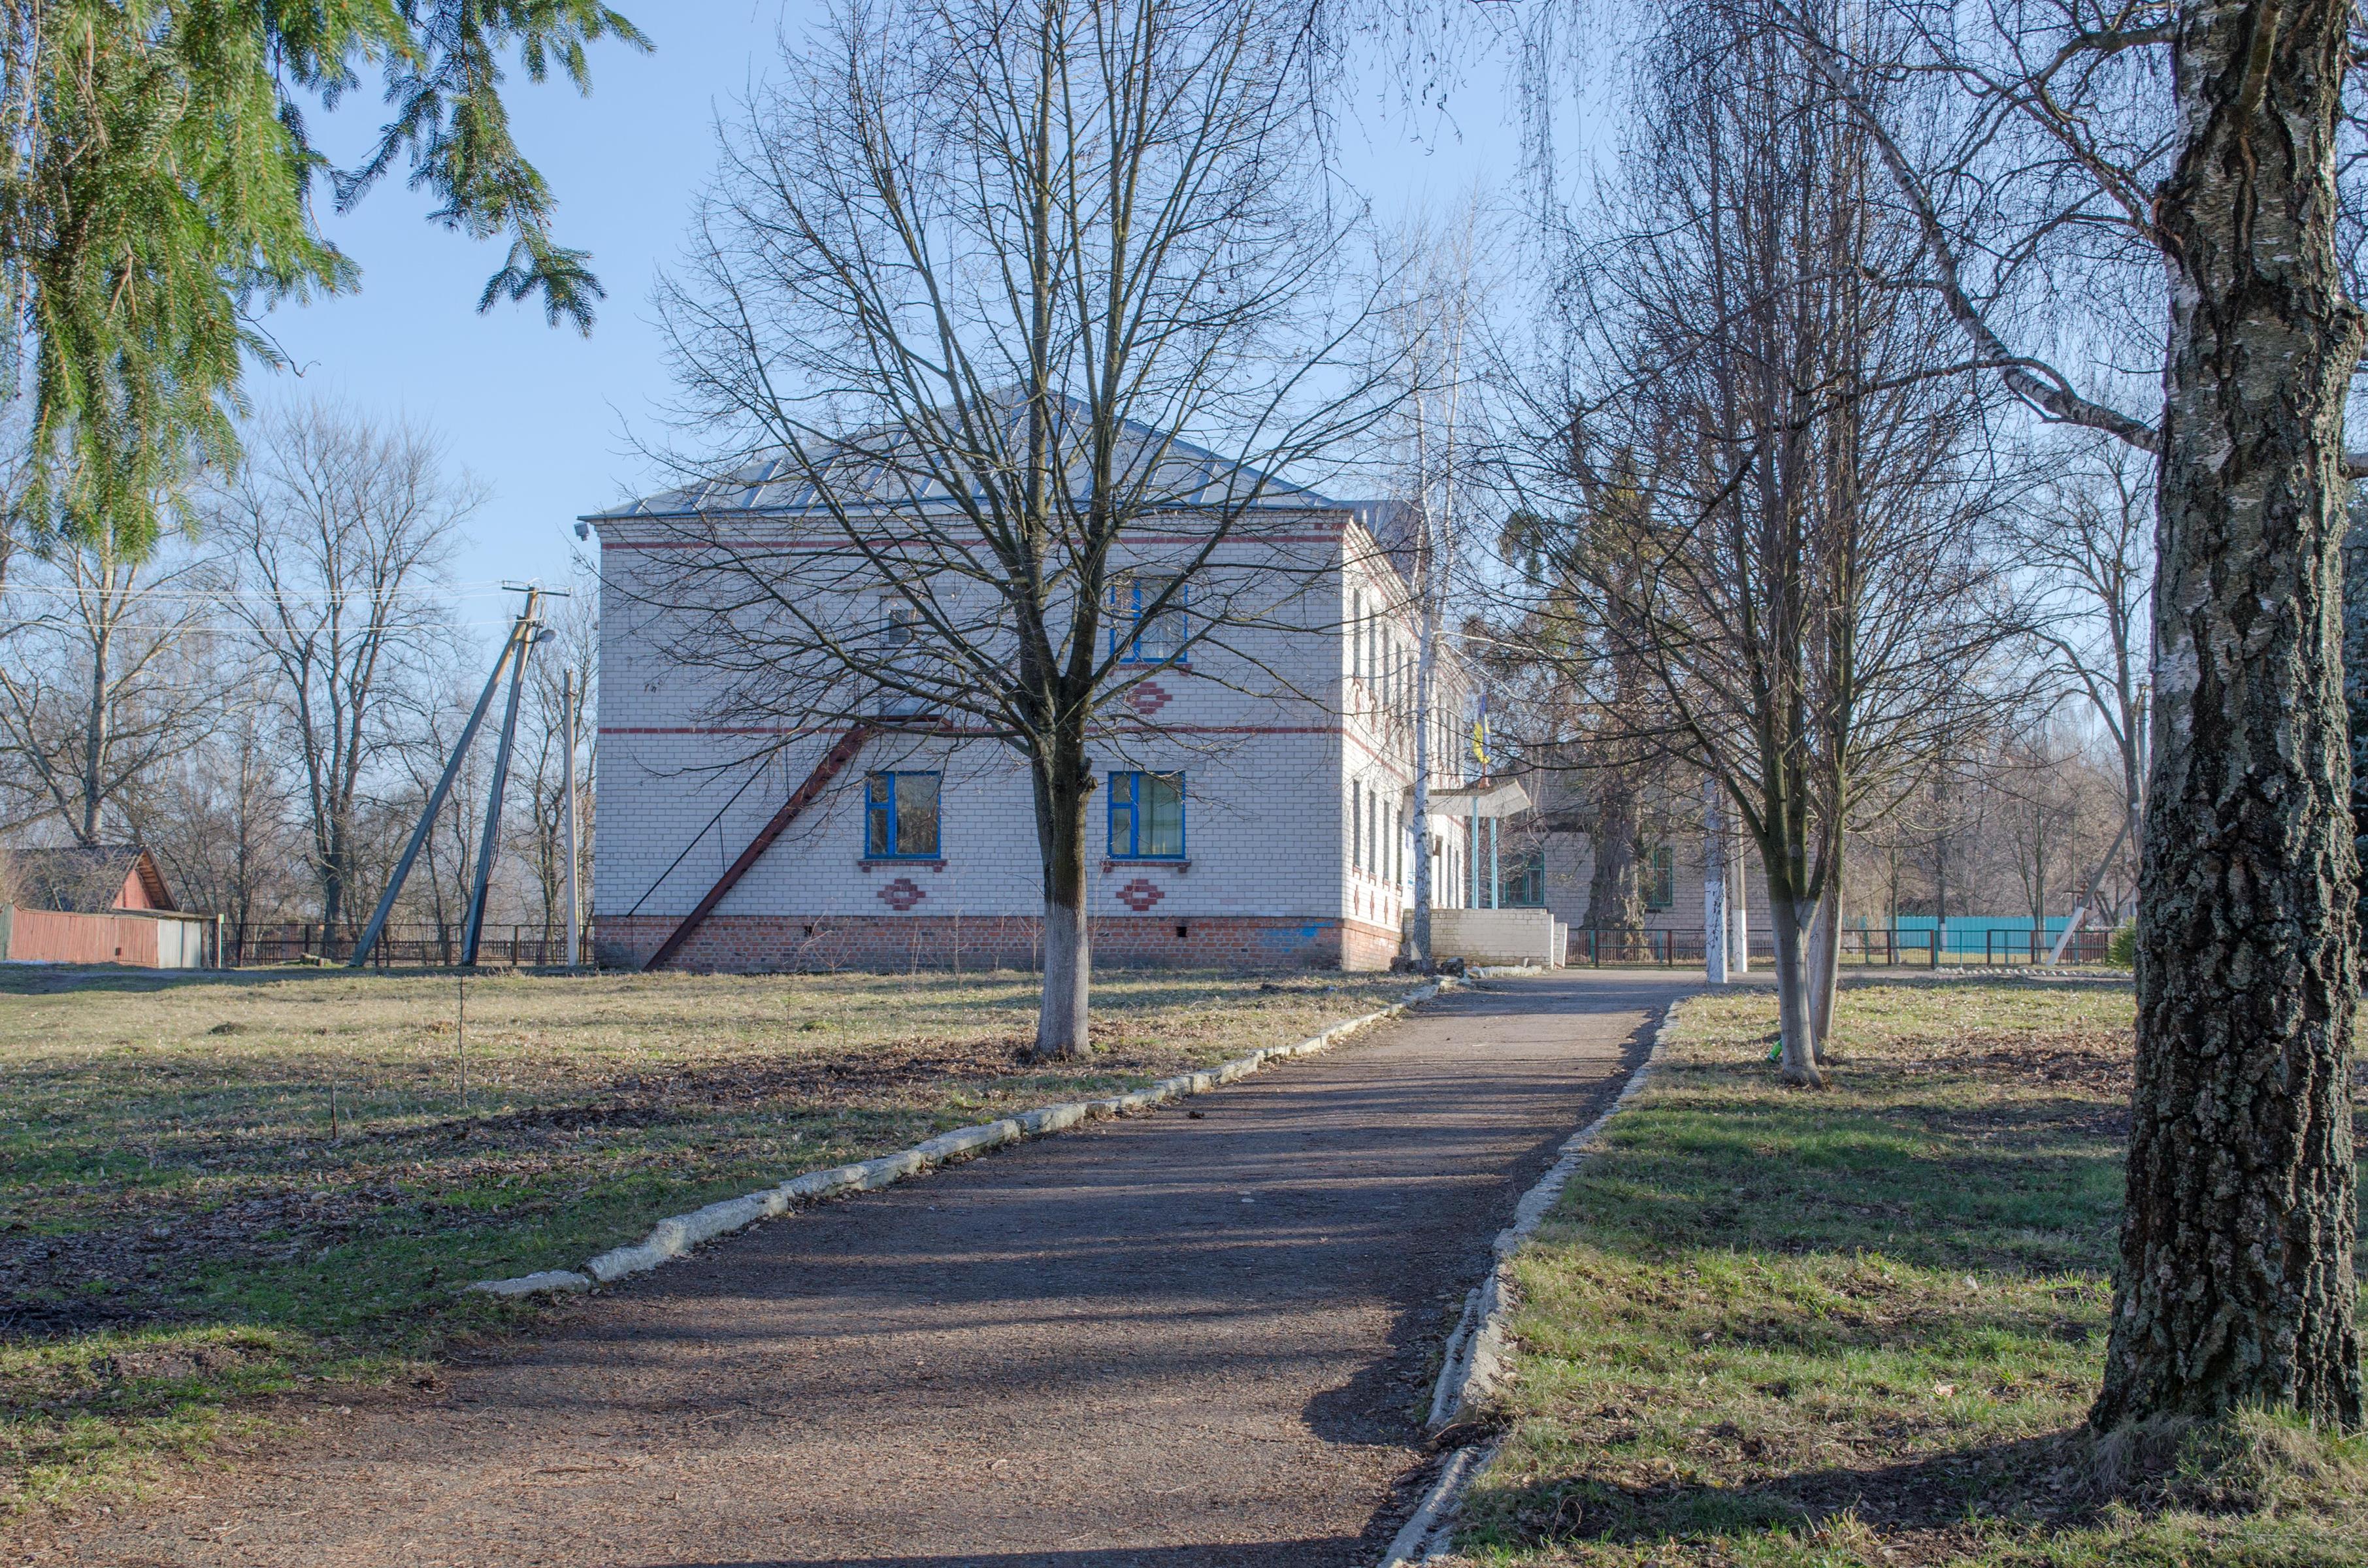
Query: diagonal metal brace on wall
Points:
[833, 762]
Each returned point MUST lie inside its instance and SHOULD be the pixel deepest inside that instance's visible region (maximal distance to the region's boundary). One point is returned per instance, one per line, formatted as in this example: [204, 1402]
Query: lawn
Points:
[216, 1187]
[1780, 1329]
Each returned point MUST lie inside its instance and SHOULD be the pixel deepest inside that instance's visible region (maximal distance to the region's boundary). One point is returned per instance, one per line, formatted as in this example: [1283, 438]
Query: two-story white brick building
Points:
[1254, 798]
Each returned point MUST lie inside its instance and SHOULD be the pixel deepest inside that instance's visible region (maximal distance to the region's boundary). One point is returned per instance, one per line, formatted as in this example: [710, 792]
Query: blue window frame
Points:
[1146, 816]
[903, 661]
[1661, 878]
[900, 816]
[1137, 638]
[1525, 881]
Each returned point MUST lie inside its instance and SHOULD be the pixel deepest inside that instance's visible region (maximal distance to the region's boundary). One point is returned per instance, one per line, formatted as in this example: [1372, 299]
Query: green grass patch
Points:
[217, 1187]
[1775, 1329]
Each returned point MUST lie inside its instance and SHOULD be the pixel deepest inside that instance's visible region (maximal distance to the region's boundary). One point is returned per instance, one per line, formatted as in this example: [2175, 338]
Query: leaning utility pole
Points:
[489, 846]
[521, 637]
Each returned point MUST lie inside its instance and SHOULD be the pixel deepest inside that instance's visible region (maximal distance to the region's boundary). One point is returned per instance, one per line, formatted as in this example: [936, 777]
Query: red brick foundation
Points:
[755, 944]
[1367, 946]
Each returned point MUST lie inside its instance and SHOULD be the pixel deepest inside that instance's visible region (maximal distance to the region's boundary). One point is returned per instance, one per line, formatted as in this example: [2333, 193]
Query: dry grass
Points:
[1770, 1329]
[213, 1187]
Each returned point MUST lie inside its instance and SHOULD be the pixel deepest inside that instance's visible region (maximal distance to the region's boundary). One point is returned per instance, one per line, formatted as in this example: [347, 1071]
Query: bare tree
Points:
[1803, 580]
[438, 889]
[1600, 697]
[217, 814]
[1433, 325]
[102, 675]
[336, 534]
[966, 280]
[2172, 178]
[563, 670]
[2088, 540]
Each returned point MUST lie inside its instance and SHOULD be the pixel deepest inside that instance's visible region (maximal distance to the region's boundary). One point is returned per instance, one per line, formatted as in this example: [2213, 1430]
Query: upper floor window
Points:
[1661, 878]
[900, 816]
[1142, 629]
[901, 661]
[1146, 816]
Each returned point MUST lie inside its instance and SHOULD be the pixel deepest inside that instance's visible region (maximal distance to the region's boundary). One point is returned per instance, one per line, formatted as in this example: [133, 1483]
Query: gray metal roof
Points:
[1186, 476]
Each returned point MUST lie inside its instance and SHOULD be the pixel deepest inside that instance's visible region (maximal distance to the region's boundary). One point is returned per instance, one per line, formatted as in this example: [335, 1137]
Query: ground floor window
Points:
[1661, 878]
[1525, 880]
[1146, 816]
[900, 816]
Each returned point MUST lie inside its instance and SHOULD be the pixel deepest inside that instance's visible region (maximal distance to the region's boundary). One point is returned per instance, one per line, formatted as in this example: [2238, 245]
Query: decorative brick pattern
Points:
[1148, 699]
[901, 894]
[1141, 894]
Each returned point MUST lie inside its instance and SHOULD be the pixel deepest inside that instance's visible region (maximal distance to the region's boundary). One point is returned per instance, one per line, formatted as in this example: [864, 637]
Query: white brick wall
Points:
[1269, 728]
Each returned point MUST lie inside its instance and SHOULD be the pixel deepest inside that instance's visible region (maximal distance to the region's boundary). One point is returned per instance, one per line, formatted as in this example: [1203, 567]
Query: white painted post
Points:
[1472, 853]
[1713, 887]
[1739, 909]
[567, 743]
[1496, 868]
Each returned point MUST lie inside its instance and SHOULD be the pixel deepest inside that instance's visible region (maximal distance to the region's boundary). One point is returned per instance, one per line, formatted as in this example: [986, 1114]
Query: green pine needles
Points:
[156, 185]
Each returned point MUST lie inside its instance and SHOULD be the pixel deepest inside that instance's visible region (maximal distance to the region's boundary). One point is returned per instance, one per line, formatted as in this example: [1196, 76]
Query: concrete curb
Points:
[1431, 1532]
[1475, 1363]
[672, 1237]
[1475, 1351]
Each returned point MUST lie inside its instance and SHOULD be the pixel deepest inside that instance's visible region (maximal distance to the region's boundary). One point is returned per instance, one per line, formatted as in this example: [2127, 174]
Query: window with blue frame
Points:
[1525, 881]
[1661, 879]
[1140, 634]
[1146, 816]
[900, 816]
[904, 662]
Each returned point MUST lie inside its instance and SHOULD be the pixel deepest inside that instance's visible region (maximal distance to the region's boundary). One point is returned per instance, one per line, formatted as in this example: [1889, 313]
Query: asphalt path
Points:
[1198, 1339]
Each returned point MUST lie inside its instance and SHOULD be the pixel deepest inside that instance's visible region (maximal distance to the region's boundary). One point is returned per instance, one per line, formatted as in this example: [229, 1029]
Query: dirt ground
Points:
[1201, 1336]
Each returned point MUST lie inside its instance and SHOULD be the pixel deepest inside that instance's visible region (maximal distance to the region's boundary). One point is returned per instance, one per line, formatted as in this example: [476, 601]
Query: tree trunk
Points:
[1799, 1064]
[2235, 1280]
[1426, 874]
[1825, 963]
[333, 886]
[1063, 788]
[2355, 681]
[1615, 895]
[96, 725]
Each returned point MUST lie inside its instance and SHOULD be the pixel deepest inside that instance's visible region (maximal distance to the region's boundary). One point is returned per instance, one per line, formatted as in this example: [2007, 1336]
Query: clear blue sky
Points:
[540, 415]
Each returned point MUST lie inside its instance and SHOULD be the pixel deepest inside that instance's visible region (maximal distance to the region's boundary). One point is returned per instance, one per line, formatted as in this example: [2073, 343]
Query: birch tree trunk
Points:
[2355, 685]
[1825, 962]
[1787, 914]
[2235, 1280]
[1062, 789]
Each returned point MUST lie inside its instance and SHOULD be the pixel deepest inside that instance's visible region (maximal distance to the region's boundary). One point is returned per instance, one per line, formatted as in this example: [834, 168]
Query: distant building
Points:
[1554, 867]
[96, 904]
[1255, 806]
[90, 879]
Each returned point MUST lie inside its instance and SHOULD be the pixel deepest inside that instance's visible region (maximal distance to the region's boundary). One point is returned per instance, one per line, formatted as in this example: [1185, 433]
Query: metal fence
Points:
[401, 946]
[2001, 946]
